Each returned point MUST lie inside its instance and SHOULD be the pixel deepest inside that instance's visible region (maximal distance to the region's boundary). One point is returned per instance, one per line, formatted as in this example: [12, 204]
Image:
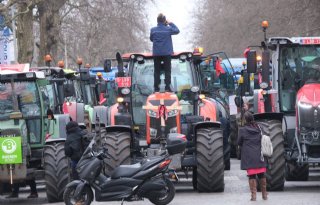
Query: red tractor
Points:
[287, 104]
[141, 120]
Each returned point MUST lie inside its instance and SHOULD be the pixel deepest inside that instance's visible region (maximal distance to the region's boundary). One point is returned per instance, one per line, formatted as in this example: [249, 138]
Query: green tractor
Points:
[29, 128]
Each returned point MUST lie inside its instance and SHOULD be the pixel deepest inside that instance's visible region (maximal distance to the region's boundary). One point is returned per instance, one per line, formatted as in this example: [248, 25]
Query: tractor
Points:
[286, 102]
[26, 126]
[140, 121]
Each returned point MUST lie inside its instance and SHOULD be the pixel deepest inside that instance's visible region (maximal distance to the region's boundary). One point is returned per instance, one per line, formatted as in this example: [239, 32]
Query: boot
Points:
[253, 189]
[263, 186]
[12, 195]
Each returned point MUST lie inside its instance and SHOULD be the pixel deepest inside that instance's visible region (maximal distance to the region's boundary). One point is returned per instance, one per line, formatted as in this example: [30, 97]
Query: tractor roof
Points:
[295, 40]
[149, 55]
[19, 71]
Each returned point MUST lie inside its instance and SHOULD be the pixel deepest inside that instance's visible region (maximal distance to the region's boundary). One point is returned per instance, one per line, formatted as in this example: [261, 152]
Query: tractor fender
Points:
[50, 141]
[205, 124]
[269, 116]
[118, 128]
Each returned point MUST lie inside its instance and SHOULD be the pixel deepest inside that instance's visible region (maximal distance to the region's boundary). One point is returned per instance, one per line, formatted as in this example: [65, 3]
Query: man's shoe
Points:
[12, 195]
[168, 89]
[33, 195]
[156, 90]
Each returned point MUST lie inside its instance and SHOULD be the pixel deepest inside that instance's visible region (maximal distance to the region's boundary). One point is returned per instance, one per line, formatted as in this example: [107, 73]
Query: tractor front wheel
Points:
[210, 162]
[56, 171]
[118, 145]
[276, 164]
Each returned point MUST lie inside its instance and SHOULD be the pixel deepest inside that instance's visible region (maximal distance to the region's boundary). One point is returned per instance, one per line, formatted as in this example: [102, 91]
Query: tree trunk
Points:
[24, 34]
[49, 18]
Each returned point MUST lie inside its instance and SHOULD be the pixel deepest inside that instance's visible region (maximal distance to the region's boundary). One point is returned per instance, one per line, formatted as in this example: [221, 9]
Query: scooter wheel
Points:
[168, 197]
[86, 198]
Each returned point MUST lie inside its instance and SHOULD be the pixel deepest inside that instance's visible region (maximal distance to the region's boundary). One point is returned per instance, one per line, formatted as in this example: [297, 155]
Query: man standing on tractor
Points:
[162, 50]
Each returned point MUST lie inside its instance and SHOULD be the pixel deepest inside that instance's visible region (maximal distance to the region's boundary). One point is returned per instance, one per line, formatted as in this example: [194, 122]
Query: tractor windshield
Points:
[6, 100]
[142, 84]
[297, 65]
[27, 98]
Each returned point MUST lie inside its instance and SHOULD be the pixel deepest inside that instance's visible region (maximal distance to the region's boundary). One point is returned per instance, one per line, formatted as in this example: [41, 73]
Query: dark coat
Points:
[250, 141]
[73, 146]
[161, 38]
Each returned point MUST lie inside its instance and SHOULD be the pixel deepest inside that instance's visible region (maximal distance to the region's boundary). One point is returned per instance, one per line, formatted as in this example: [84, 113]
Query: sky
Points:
[180, 13]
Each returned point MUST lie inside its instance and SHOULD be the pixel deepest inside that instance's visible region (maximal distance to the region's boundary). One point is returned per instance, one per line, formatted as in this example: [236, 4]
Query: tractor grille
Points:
[309, 117]
[155, 123]
[10, 132]
[314, 151]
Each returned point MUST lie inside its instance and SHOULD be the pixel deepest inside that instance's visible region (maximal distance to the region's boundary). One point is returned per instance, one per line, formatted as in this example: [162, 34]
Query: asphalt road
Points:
[236, 192]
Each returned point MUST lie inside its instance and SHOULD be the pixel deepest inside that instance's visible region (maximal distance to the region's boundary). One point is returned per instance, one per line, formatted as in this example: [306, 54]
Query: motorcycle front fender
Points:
[79, 189]
[74, 183]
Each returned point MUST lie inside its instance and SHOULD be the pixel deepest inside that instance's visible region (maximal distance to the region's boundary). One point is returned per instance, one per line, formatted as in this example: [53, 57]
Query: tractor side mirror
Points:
[107, 65]
[68, 90]
[252, 61]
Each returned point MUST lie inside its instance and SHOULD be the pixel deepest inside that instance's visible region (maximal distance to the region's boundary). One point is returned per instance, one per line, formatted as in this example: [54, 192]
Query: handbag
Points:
[266, 145]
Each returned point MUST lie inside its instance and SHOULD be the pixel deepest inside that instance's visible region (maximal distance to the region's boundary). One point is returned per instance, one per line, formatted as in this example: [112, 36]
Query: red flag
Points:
[219, 69]
[245, 53]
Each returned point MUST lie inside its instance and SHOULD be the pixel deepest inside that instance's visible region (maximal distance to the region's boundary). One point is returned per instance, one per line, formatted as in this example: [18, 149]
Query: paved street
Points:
[236, 192]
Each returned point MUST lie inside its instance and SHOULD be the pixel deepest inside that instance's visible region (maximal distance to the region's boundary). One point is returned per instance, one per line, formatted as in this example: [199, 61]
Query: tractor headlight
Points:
[153, 132]
[304, 105]
[125, 91]
[152, 113]
[174, 130]
[120, 99]
[172, 113]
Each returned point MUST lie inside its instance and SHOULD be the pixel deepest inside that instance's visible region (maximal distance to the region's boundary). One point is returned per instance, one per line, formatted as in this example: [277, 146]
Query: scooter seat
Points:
[131, 170]
[125, 171]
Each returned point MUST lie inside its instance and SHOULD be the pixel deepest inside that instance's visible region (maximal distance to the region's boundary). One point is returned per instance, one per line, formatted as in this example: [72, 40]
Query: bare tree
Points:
[232, 25]
[96, 30]
[89, 29]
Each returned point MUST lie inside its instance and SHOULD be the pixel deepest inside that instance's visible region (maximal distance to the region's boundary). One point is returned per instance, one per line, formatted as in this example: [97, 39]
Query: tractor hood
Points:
[308, 107]
[309, 94]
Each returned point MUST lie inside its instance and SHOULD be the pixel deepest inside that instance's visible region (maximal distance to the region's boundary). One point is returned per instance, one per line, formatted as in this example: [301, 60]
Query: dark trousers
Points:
[166, 66]
[75, 175]
[30, 182]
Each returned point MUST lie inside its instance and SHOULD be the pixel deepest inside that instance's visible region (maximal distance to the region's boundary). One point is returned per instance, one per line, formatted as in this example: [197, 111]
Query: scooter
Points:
[147, 179]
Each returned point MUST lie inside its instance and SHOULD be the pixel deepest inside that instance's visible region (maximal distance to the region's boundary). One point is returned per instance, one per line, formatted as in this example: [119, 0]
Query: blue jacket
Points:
[161, 38]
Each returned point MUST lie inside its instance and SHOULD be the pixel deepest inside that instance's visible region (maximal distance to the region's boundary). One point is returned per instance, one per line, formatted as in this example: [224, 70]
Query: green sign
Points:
[10, 150]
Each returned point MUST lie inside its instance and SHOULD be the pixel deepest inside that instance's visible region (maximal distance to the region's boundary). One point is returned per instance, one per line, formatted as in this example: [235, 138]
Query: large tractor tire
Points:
[276, 164]
[210, 162]
[56, 171]
[294, 172]
[118, 145]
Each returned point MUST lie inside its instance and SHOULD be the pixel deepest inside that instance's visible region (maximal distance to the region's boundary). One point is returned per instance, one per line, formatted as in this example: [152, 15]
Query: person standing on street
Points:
[162, 50]
[16, 187]
[74, 146]
[251, 160]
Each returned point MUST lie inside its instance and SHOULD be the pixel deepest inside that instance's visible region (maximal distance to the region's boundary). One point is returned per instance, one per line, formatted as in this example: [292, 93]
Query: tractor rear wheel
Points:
[210, 162]
[56, 171]
[294, 172]
[118, 145]
[276, 164]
